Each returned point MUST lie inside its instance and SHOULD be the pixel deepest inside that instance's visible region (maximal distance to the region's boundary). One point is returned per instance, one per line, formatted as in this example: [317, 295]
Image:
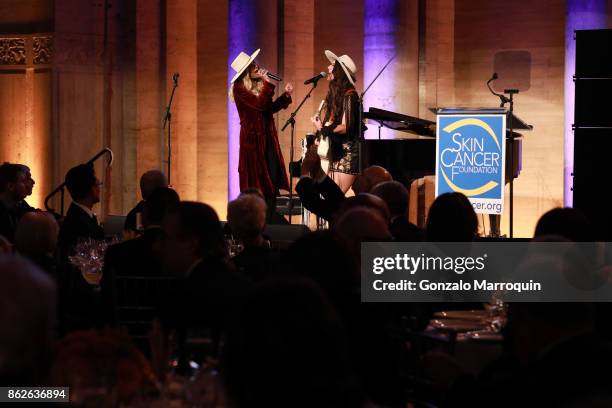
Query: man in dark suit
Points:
[78, 300]
[395, 195]
[138, 256]
[149, 182]
[13, 189]
[81, 221]
[194, 250]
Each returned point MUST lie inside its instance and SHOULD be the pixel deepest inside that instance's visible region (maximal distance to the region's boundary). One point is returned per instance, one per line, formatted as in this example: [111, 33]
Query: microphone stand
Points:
[291, 121]
[360, 113]
[168, 121]
[508, 100]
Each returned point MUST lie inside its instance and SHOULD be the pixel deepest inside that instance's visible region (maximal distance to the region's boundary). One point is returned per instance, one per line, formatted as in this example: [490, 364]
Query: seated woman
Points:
[340, 120]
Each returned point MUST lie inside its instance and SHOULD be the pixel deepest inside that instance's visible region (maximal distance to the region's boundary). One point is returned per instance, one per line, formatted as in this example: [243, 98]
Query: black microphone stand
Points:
[508, 100]
[168, 121]
[291, 121]
[360, 117]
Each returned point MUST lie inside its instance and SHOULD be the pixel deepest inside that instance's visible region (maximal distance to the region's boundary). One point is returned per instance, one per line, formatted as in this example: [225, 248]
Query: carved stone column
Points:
[25, 106]
[212, 103]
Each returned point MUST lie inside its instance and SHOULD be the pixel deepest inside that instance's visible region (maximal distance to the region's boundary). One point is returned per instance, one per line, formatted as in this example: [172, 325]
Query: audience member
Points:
[13, 189]
[149, 182]
[324, 258]
[395, 195]
[366, 200]
[24, 207]
[79, 301]
[287, 349]
[27, 322]
[81, 221]
[139, 256]
[254, 191]
[554, 357]
[369, 178]
[361, 224]
[374, 353]
[246, 217]
[194, 249]
[451, 218]
[569, 223]
[36, 239]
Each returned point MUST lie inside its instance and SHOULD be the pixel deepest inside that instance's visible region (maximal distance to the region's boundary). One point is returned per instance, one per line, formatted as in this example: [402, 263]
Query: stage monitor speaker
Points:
[513, 69]
[593, 57]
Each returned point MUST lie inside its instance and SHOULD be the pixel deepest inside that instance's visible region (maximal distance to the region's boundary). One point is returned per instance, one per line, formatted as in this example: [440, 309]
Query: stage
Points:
[77, 77]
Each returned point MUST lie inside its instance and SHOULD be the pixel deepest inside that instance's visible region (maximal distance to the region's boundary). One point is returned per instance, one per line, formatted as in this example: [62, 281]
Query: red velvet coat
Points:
[256, 129]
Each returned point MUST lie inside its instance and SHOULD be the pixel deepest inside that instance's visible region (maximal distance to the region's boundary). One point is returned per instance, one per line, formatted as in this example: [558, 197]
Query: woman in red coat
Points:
[261, 164]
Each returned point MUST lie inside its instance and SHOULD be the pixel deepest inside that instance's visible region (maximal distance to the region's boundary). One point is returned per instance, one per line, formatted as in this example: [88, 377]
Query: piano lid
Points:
[518, 124]
[400, 122]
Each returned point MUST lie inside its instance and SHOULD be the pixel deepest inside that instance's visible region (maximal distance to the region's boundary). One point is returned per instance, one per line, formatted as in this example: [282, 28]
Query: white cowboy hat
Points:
[347, 64]
[242, 62]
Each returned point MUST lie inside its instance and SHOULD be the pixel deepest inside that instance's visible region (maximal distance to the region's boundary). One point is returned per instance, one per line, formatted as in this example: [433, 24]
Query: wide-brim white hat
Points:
[242, 62]
[347, 64]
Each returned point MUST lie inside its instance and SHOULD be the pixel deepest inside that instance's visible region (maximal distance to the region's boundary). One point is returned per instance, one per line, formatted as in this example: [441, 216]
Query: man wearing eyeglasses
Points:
[78, 300]
[81, 221]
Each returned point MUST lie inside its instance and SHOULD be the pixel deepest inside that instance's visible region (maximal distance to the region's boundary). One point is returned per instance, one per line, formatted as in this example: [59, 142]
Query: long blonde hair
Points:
[254, 86]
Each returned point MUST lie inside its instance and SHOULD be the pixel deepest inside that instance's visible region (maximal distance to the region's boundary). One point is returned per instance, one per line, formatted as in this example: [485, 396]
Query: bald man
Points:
[149, 182]
[360, 224]
[370, 177]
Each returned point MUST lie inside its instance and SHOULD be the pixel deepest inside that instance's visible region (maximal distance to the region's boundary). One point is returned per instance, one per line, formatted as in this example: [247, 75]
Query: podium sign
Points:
[471, 157]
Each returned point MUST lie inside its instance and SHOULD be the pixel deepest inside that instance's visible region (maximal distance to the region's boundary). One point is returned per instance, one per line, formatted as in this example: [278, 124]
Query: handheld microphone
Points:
[274, 77]
[175, 78]
[315, 78]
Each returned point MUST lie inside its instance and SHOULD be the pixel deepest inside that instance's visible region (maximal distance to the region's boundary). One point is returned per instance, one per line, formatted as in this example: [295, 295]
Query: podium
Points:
[472, 145]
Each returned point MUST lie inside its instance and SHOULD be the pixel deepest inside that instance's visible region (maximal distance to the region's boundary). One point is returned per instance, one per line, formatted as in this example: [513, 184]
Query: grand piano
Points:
[414, 157]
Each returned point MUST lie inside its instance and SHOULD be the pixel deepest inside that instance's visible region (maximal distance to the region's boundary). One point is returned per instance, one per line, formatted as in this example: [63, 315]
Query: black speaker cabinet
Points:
[593, 104]
[593, 57]
[593, 128]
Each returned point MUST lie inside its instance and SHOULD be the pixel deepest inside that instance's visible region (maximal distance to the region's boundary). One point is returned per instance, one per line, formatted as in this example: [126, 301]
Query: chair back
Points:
[137, 301]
